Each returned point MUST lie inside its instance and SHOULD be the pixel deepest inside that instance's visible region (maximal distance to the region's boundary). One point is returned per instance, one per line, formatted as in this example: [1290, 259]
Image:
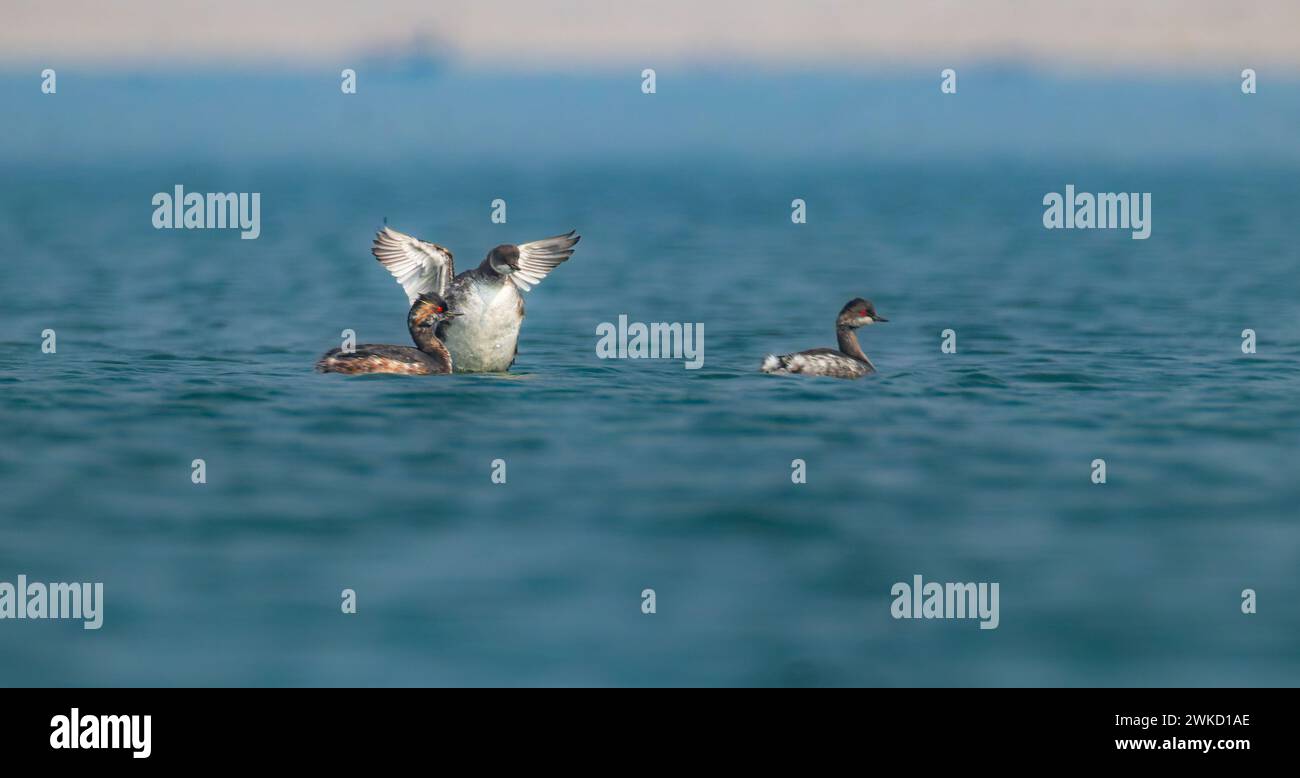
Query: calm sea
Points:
[628, 475]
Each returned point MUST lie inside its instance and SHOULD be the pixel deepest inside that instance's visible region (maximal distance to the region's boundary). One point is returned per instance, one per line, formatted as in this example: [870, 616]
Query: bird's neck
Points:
[427, 341]
[849, 343]
[486, 270]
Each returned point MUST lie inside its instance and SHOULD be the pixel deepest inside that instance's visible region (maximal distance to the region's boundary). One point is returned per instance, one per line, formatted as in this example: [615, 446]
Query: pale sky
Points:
[581, 34]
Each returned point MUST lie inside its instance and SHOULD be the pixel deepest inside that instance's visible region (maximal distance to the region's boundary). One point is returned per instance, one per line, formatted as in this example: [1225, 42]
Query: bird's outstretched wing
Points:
[540, 257]
[418, 266]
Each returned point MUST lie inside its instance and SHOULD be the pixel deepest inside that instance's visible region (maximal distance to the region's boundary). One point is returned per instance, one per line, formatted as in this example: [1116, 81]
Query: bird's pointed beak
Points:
[878, 317]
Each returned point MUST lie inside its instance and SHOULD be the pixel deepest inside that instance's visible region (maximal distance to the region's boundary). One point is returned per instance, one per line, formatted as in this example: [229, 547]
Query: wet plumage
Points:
[381, 359]
[430, 357]
[848, 361]
[485, 338]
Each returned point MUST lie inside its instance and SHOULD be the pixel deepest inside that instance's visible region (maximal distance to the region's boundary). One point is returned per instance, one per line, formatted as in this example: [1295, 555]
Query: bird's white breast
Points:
[484, 336]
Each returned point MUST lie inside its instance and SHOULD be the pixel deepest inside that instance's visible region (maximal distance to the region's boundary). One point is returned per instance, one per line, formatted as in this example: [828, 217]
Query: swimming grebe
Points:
[427, 312]
[847, 362]
[486, 337]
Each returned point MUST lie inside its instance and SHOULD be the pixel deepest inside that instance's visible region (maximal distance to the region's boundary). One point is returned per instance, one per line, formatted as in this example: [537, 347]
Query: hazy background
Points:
[562, 34]
[626, 475]
[242, 81]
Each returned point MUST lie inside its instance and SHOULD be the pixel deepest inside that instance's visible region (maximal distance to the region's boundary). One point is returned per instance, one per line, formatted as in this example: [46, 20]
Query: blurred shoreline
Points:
[1119, 36]
[451, 114]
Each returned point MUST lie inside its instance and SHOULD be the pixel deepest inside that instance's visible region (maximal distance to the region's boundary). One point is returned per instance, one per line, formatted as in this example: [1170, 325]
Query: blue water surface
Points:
[624, 475]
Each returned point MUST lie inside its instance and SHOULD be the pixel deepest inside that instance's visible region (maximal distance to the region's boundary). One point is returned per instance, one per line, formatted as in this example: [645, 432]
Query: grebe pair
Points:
[486, 336]
[475, 327]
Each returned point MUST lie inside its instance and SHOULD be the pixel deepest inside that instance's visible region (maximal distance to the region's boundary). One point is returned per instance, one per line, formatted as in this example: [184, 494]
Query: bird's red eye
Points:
[864, 311]
[438, 309]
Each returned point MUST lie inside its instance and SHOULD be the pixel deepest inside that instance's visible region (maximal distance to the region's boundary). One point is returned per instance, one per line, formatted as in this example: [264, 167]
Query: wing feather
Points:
[540, 257]
[419, 266]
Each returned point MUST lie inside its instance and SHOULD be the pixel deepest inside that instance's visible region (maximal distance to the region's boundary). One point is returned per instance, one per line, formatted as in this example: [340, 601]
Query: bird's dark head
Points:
[857, 313]
[504, 259]
[429, 310]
